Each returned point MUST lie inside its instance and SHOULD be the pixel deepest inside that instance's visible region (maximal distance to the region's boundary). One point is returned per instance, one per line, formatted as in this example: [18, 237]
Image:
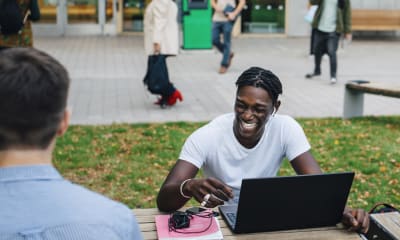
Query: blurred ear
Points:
[277, 105]
[64, 123]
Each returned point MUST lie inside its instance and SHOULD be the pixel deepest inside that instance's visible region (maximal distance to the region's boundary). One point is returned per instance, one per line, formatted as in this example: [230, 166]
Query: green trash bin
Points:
[196, 24]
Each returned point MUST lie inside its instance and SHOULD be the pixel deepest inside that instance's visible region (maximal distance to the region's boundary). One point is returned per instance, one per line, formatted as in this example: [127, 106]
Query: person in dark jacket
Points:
[24, 38]
[332, 18]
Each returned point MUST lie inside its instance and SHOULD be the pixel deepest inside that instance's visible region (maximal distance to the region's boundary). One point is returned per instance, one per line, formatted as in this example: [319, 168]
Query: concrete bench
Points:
[375, 20]
[354, 95]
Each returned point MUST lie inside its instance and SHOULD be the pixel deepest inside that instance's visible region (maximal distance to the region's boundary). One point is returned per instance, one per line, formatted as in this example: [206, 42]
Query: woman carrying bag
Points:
[161, 41]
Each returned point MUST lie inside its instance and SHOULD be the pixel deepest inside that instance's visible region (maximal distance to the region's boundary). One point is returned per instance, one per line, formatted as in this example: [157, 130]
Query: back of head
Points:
[259, 77]
[33, 97]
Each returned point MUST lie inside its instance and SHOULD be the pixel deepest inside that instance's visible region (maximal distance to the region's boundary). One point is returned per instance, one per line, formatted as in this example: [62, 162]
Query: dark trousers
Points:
[326, 42]
[312, 41]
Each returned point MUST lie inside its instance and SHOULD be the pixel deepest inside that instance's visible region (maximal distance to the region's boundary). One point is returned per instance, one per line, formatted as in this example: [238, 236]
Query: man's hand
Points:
[348, 37]
[356, 220]
[231, 16]
[210, 192]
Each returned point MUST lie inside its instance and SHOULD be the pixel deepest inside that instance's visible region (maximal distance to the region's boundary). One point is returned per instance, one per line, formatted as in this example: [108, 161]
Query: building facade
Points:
[113, 17]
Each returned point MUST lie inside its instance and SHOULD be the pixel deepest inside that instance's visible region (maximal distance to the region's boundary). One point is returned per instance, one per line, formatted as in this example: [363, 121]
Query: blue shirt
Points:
[37, 203]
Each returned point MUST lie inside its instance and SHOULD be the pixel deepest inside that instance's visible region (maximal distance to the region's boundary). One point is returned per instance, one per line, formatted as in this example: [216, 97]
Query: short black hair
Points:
[259, 77]
[33, 97]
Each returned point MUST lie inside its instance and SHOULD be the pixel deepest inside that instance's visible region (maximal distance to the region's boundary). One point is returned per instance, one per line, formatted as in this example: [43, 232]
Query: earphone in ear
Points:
[277, 104]
[278, 98]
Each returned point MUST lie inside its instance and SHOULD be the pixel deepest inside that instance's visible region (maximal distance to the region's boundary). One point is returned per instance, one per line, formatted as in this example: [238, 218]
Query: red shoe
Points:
[174, 96]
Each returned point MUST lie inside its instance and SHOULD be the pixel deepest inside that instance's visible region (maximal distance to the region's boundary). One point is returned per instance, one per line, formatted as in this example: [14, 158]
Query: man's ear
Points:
[277, 105]
[64, 122]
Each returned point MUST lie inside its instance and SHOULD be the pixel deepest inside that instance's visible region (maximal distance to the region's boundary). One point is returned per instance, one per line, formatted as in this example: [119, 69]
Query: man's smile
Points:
[248, 126]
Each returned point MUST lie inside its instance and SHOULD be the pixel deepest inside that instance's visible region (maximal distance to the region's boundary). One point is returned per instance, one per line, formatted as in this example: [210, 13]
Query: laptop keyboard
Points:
[232, 218]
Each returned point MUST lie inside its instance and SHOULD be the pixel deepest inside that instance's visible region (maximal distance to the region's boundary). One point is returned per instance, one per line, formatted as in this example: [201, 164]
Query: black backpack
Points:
[11, 18]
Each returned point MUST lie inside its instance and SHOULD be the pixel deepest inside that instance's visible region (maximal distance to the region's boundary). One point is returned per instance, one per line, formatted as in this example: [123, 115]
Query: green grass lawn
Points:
[129, 162]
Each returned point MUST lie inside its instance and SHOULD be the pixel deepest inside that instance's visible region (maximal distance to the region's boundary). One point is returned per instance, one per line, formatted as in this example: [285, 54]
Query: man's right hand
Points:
[209, 192]
[231, 16]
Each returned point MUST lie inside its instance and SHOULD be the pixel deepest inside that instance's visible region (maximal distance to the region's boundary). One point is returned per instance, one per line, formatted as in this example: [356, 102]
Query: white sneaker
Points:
[333, 80]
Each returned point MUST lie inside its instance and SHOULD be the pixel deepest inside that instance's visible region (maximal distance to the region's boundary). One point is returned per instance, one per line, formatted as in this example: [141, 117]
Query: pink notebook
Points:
[196, 224]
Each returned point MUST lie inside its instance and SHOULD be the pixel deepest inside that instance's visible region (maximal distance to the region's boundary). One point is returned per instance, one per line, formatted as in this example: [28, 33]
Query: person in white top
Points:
[161, 37]
[249, 143]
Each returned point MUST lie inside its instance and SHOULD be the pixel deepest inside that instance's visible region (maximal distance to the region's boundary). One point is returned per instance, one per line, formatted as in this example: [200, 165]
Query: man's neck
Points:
[18, 157]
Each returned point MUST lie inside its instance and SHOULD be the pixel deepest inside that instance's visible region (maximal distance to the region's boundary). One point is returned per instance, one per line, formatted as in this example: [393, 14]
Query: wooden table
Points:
[145, 218]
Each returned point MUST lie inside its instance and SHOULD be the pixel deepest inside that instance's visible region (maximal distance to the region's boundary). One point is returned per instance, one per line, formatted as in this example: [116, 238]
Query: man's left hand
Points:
[356, 220]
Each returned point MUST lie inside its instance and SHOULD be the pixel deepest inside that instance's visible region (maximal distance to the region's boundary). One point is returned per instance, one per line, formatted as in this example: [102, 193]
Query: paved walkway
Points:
[107, 75]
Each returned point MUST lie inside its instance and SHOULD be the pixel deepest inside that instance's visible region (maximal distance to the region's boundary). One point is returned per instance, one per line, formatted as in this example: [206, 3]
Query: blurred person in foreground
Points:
[36, 201]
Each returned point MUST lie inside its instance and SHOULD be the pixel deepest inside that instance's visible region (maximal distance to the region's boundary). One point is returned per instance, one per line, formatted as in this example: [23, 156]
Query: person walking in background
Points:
[161, 37]
[332, 18]
[36, 202]
[225, 13]
[29, 11]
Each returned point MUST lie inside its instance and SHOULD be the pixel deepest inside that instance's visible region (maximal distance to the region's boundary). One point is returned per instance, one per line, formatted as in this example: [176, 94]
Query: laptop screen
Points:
[292, 202]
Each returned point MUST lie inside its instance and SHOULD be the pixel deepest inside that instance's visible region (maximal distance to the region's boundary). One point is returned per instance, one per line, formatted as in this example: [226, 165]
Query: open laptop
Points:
[290, 202]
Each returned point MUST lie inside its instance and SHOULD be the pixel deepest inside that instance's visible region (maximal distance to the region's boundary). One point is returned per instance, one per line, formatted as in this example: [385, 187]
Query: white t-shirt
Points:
[215, 148]
[219, 16]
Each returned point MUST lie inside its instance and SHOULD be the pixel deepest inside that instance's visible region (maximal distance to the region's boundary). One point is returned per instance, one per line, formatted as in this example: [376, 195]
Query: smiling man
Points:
[252, 142]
